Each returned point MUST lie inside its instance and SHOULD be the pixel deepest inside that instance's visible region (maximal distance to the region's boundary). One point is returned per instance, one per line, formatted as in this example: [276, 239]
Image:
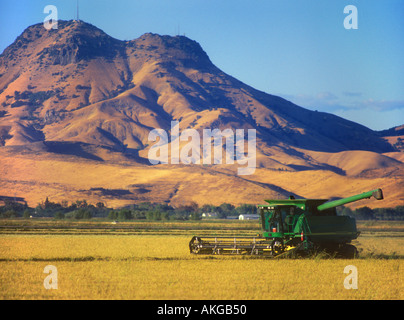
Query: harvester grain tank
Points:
[293, 225]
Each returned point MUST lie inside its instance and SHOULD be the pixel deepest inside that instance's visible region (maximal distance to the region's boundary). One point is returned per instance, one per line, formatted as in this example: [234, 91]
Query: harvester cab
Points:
[286, 222]
[293, 225]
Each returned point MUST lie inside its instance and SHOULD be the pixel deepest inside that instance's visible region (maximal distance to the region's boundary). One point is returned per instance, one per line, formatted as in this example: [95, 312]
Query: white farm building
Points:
[248, 216]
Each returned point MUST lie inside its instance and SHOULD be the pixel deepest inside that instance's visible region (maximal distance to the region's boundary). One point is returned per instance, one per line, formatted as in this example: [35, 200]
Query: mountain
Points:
[395, 136]
[76, 97]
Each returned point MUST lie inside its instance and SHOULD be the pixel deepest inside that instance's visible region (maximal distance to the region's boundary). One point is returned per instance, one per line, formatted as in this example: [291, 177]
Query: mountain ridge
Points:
[78, 92]
[170, 56]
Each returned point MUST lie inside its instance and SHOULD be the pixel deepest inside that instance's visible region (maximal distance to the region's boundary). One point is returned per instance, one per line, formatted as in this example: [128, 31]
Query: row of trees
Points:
[153, 211]
[13, 209]
[81, 209]
[366, 213]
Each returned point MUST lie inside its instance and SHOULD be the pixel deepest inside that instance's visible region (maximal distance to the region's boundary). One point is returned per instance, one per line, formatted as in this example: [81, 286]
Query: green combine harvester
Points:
[297, 226]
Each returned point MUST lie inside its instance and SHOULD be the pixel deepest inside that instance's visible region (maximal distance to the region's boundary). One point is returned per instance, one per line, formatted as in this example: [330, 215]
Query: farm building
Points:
[248, 217]
[209, 215]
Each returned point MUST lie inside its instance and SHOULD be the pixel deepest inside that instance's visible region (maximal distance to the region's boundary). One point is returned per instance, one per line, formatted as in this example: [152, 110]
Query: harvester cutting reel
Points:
[238, 246]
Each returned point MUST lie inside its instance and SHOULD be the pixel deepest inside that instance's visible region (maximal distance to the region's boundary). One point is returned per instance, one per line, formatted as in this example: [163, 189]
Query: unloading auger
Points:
[292, 225]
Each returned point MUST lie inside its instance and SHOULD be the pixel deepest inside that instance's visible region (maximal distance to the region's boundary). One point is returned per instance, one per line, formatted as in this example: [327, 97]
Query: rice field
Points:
[151, 261]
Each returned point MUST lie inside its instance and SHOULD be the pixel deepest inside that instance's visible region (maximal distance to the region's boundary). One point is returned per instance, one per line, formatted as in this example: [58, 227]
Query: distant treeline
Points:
[81, 209]
[366, 213]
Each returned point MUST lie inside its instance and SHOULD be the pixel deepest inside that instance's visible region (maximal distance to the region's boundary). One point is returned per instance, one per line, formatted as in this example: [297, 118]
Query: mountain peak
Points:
[65, 26]
[74, 41]
[71, 42]
[178, 48]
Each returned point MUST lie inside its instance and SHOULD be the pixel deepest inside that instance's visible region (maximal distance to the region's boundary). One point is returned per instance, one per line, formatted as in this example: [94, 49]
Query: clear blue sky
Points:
[297, 49]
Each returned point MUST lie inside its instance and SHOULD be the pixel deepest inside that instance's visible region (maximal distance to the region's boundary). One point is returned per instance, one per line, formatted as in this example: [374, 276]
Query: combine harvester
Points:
[300, 226]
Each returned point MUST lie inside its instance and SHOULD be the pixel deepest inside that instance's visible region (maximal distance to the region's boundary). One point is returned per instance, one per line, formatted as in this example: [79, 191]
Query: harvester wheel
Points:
[194, 245]
[277, 247]
[348, 251]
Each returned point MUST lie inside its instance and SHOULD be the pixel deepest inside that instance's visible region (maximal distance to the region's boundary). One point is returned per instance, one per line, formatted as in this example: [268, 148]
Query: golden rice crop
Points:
[161, 267]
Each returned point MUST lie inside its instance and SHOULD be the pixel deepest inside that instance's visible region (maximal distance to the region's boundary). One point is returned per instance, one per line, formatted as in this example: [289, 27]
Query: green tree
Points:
[87, 214]
[153, 215]
[246, 209]
[59, 215]
[26, 214]
[364, 213]
[195, 215]
[124, 214]
[112, 215]
[9, 214]
[81, 203]
[138, 214]
[347, 212]
[100, 205]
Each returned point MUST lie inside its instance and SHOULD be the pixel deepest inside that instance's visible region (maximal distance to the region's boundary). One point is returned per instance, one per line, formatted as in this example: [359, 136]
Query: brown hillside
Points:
[77, 106]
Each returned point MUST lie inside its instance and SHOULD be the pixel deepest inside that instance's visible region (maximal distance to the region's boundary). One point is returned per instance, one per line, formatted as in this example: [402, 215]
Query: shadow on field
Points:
[316, 256]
